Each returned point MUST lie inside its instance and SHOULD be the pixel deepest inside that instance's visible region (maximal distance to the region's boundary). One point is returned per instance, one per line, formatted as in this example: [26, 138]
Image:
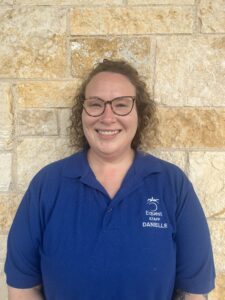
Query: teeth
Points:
[108, 132]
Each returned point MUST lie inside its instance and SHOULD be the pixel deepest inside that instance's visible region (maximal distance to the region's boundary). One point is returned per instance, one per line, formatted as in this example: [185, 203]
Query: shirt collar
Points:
[144, 164]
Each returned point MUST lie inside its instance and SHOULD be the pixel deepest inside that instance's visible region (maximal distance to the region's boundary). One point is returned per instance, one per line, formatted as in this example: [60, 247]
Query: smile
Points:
[108, 132]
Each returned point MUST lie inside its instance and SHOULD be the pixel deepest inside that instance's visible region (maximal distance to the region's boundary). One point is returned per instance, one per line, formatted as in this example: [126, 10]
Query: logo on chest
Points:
[153, 215]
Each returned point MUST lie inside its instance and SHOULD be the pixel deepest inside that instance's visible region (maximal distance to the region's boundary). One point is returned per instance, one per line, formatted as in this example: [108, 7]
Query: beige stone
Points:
[178, 2]
[219, 292]
[6, 144]
[190, 70]
[8, 209]
[5, 171]
[69, 2]
[37, 94]
[35, 153]
[211, 16]
[218, 241]
[178, 158]
[131, 20]
[3, 289]
[37, 122]
[87, 52]
[190, 128]
[6, 2]
[33, 42]
[207, 171]
[3, 242]
[6, 111]
[64, 121]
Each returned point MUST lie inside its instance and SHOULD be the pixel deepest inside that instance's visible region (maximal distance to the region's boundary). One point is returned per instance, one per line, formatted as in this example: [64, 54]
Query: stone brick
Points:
[175, 2]
[207, 171]
[131, 20]
[178, 158]
[64, 121]
[6, 2]
[219, 292]
[190, 70]
[46, 94]
[3, 289]
[35, 153]
[211, 16]
[87, 52]
[8, 209]
[6, 144]
[218, 241]
[30, 46]
[37, 122]
[6, 116]
[190, 128]
[68, 2]
[3, 242]
[5, 171]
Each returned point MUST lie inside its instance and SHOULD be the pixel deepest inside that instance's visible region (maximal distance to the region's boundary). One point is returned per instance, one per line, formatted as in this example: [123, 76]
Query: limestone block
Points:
[8, 209]
[6, 144]
[5, 171]
[33, 42]
[6, 114]
[69, 2]
[218, 241]
[131, 20]
[207, 171]
[37, 122]
[48, 94]
[87, 52]
[190, 128]
[178, 158]
[190, 70]
[64, 121]
[3, 289]
[3, 243]
[219, 292]
[6, 2]
[35, 153]
[211, 16]
[178, 2]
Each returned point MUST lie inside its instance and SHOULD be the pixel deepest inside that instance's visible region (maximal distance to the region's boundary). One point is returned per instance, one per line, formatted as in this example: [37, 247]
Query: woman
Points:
[110, 222]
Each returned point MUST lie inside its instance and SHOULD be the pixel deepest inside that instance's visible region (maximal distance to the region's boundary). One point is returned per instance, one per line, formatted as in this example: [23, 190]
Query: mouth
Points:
[108, 132]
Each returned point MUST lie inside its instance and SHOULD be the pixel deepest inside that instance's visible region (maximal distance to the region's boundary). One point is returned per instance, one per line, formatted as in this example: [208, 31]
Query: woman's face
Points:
[110, 135]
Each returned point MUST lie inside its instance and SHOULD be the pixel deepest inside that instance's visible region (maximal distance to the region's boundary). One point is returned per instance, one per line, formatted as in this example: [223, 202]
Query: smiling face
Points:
[110, 135]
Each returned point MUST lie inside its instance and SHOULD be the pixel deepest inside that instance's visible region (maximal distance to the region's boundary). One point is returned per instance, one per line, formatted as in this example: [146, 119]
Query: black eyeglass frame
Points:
[110, 102]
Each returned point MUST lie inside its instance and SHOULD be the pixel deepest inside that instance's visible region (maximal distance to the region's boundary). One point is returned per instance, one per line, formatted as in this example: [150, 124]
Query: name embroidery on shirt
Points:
[153, 214]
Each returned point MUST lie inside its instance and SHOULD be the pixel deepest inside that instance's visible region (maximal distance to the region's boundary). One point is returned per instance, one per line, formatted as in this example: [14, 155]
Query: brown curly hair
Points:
[146, 107]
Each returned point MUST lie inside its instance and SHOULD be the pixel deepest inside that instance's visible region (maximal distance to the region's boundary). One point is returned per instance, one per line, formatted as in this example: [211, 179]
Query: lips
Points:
[107, 132]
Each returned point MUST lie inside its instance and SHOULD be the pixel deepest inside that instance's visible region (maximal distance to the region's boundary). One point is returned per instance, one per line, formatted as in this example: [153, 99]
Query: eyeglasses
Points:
[120, 106]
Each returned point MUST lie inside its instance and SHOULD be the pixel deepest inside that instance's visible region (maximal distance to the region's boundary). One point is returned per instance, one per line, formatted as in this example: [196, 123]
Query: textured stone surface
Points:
[33, 42]
[211, 16]
[46, 94]
[178, 158]
[87, 52]
[64, 121]
[179, 2]
[218, 241]
[6, 2]
[207, 171]
[191, 128]
[219, 292]
[69, 2]
[6, 115]
[3, 289]
[190, 70]
[5, 171]
[37, 122]
[35, 153]
[8, 208]
[3, 242]
[132, 20]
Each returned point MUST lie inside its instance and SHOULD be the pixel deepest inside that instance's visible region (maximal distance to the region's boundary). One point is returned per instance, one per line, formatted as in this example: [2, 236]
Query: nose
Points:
[108, 115]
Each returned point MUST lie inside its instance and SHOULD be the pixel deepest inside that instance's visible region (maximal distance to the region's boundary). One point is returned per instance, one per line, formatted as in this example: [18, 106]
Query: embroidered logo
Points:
[153, 214]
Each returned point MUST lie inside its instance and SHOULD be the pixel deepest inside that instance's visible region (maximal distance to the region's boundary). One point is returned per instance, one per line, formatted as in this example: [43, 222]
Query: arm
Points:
[181, 295]
[34, 293]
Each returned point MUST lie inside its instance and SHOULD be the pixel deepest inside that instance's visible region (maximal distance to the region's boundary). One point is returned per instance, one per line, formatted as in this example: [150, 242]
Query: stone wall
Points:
[178, 45]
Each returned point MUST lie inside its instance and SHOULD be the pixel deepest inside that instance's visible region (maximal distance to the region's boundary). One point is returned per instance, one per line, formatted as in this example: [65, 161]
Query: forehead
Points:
[109, 83]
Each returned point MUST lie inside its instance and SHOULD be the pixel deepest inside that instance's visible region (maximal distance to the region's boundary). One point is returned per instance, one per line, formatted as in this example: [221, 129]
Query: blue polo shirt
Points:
[150, 239]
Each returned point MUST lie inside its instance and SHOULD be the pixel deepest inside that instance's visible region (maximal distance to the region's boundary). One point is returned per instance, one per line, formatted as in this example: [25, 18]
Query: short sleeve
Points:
[195, 271]
[22, 266]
